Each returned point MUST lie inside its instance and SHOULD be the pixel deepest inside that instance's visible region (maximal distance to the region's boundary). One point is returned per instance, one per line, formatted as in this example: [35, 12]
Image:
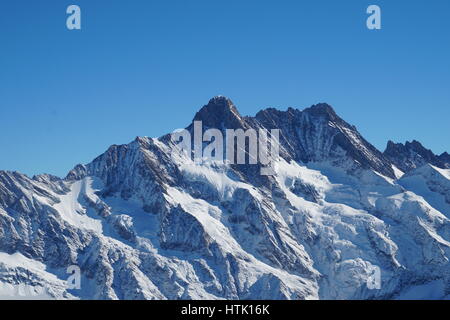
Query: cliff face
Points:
[412, 155]
[318, 134]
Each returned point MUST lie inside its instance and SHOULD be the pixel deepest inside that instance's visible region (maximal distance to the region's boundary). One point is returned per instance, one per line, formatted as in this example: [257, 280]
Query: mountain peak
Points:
[220, 100]
[317, 134]
[411, 155]
[323, 109]
[220, 112]
[415, 144]
[77, 173]
[221, 104]
[445, 155]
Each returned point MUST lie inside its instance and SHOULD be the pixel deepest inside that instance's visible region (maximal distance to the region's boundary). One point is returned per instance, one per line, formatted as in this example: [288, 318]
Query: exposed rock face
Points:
[318, 134]
[145, 222]
[413, 155]
[220, 113]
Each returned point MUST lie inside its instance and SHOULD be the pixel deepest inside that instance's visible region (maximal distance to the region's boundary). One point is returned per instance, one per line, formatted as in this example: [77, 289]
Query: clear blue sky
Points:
[144, 67]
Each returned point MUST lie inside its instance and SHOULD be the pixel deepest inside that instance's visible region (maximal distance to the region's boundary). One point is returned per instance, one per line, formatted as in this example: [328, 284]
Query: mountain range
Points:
[142, 221]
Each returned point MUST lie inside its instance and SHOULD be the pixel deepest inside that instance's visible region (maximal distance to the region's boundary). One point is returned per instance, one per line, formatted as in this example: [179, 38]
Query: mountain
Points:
[221, 113]
[144, 221]
[318, 134]
[412, 155]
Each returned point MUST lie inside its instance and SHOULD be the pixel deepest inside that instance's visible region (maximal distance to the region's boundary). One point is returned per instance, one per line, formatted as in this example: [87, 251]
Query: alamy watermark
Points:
[241, 146]
[73, 21]
[374, 20]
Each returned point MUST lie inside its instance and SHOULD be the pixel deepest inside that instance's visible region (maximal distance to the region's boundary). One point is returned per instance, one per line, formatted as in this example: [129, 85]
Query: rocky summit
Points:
[338, 220]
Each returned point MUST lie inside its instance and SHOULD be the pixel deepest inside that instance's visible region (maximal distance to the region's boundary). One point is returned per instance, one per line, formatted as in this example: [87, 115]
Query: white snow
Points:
[443, 172]
[208, 216]
[11, 290]
[73, 212]
[398, 173]
[19, 260]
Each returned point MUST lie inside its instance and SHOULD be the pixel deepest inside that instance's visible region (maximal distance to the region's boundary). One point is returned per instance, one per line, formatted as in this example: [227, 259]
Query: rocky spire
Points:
[220, 113]
[413, 154]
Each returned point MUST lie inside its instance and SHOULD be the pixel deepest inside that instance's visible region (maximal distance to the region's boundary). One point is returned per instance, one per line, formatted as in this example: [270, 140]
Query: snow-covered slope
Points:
[142, 221]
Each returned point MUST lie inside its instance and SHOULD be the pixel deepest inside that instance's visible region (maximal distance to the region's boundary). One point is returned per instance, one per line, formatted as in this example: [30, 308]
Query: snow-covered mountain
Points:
[143, 221]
